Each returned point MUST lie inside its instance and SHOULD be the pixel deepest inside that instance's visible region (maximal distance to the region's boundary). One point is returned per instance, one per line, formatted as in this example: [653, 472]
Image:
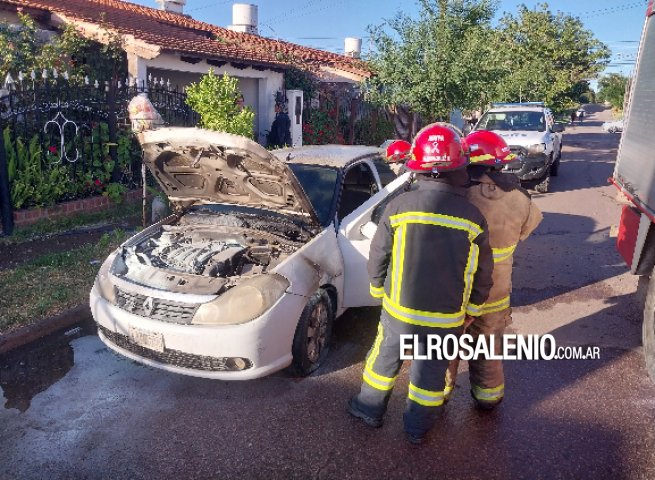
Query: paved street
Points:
[75, 410]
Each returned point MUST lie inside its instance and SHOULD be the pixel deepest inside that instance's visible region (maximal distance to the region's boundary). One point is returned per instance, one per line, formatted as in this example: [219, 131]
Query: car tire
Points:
[554, 169]
[544, 183]
[311, 342]
[648, 330]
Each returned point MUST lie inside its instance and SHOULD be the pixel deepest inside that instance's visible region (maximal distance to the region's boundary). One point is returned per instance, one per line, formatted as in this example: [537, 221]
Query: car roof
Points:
[337, 156]
[517, 109]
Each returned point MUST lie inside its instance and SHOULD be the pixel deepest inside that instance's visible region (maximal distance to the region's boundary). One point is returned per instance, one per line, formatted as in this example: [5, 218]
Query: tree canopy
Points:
[451, 56]
[611, 88]
[25, 50]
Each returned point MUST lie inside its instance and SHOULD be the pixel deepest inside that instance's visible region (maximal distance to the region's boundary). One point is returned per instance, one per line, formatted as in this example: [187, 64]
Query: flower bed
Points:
[91, 204]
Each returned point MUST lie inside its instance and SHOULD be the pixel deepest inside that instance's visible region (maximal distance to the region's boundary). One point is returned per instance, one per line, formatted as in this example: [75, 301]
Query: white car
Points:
[613, 127]
[531, 132]
[264, 250]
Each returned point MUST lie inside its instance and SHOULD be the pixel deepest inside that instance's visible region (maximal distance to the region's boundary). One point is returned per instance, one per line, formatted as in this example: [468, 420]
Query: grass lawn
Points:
[51, 283]
[44, 228]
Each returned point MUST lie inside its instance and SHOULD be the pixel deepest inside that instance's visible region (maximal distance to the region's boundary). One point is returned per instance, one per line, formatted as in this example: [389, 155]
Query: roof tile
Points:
[180, 33]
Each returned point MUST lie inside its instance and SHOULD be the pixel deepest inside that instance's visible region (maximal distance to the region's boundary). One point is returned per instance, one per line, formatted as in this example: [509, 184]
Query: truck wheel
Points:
[311, 341]
[544, 183]
[648, 330]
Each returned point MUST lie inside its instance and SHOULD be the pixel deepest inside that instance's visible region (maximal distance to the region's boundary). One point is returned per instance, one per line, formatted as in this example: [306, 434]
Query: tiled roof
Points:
[180, 33]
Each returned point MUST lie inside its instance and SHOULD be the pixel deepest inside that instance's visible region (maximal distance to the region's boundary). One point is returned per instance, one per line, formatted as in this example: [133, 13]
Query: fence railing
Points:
[344, 117]
[70, 138]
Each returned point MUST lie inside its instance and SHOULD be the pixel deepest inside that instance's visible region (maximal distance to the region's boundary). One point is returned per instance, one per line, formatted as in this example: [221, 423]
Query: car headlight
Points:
[103, 280]
[537, 148]
[244, 302]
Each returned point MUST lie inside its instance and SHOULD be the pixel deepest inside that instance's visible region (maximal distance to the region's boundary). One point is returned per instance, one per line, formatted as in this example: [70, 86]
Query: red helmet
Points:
[488, 148]
[398, 151]
[437, 148]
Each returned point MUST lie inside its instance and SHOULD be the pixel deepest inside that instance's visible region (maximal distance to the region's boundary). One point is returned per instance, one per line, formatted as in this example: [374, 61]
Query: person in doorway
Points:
[430, 263]
[280, 134]
[240, 102]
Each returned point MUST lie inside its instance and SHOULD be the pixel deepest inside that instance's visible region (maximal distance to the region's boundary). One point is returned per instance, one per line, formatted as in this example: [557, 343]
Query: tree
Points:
[549, 55]
[611, 88]
[24, 50]
[215, 100]
[442, 61]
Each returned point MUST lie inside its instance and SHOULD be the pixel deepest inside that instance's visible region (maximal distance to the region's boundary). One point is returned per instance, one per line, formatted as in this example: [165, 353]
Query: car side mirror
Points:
[558, 128]
[368, 230]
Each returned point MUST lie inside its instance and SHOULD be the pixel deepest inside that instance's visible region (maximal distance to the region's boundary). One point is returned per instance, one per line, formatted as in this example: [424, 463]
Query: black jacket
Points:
[280, 134]
[430, 258]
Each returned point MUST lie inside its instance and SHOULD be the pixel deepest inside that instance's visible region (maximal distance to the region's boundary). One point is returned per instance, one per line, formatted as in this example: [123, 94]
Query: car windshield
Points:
[319, 183]
[514, 120]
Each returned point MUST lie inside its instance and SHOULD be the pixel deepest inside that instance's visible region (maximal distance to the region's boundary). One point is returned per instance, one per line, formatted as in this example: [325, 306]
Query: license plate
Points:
[151, 340]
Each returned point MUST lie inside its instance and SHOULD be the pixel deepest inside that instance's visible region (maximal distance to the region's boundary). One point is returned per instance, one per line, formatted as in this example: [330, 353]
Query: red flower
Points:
[52, 150]
[98, 183]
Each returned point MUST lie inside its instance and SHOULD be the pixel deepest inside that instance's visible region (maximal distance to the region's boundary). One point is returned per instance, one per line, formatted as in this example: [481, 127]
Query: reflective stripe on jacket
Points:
[430, 258]
[511, 217]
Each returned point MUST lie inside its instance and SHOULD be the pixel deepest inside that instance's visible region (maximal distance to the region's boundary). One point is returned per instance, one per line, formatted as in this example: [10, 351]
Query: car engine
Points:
[202, 257]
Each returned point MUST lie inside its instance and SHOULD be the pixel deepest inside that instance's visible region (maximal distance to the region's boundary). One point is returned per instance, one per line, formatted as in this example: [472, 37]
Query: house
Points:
[166, 43]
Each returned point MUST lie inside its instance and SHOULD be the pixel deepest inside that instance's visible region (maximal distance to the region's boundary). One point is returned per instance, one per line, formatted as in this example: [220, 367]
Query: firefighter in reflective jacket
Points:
[430, 262]
[511, 217]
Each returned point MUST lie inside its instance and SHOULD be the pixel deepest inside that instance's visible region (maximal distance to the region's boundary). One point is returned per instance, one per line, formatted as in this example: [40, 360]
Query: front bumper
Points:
[226, 352]
[528, 167]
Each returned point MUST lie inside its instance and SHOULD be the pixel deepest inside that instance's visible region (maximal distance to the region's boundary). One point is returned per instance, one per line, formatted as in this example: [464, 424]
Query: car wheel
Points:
[544, 183]
[311, 341]
[554, 169]
[648, 330]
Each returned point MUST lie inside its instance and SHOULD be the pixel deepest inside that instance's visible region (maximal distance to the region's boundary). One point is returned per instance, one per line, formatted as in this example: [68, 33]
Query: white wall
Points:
[258, 87]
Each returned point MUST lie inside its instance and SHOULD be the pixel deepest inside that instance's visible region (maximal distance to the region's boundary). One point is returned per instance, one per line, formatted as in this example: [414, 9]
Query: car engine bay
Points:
[206, 253]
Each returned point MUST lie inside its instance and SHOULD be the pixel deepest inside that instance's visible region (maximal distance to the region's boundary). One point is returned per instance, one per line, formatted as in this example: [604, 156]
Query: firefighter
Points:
[397, 153]
[430, 262]
[511, 217]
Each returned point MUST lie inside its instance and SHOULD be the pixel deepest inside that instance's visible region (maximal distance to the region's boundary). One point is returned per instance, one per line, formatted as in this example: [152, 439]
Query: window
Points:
[513, 120]
[386, 174]
[358, 186]
[319, 183]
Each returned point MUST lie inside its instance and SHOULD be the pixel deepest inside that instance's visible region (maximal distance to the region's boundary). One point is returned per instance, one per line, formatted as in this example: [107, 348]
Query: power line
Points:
[208, 5]
[613, 9]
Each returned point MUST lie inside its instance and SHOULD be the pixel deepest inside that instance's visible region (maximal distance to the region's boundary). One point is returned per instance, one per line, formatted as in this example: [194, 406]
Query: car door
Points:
[556, 138]
[354, 236]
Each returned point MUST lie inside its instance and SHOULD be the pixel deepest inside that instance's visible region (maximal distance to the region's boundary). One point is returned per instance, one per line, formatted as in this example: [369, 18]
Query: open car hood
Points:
[193, 165]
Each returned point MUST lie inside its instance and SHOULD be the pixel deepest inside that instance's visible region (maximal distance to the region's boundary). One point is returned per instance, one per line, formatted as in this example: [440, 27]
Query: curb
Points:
[35, 331]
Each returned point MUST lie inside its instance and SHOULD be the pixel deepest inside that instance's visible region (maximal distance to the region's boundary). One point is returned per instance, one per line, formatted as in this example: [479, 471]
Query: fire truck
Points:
[634, 176]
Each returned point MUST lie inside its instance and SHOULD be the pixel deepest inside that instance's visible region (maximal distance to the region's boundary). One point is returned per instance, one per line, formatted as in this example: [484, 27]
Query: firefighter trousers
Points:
[427, 377]
[486, 376]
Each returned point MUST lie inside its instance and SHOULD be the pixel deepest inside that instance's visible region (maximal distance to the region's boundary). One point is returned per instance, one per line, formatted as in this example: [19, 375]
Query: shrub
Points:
[320, 129]
[214, 98]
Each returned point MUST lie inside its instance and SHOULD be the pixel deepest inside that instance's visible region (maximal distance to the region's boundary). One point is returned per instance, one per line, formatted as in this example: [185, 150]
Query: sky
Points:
[325, 23]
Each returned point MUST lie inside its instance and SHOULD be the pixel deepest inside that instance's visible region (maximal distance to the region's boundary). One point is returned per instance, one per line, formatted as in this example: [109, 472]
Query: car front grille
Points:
[520, 151]
[155, 308]
[177, 358]
[516, 164]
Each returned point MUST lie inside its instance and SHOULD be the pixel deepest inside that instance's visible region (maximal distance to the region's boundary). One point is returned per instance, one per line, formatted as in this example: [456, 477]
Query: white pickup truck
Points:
[531, 133]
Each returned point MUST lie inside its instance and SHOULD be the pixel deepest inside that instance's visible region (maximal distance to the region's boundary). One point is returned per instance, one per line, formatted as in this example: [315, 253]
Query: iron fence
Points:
[346, 118]
[70, 138]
